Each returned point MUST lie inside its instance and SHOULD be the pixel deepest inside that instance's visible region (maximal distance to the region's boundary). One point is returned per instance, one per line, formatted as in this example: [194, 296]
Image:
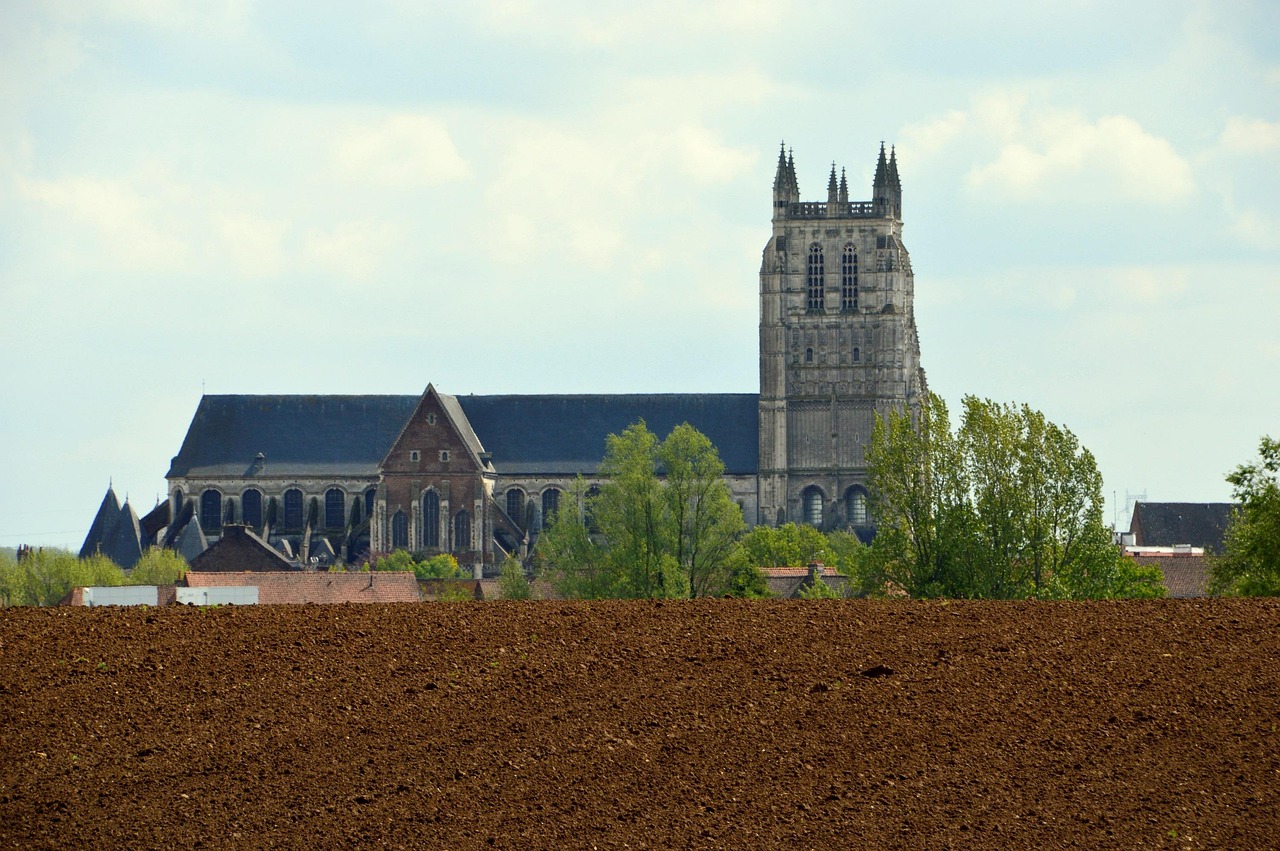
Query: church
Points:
[329, 478]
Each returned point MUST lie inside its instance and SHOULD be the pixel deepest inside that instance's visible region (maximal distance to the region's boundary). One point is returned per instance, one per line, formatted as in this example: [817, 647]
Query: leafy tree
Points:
[663, 524]
[786, 546]
[1007, 506]
[1250, 564]
[442, 566]
[158, 566]
[818, 590]
[512, 581]
[46, 575]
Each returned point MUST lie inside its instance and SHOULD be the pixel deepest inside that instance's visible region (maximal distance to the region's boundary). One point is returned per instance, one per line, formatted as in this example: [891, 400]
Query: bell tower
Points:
[838, 344]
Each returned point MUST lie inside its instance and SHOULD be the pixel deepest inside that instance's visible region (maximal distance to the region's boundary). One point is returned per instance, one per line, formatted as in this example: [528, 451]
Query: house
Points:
[300, 587]
[1169, 524]
[791, 582]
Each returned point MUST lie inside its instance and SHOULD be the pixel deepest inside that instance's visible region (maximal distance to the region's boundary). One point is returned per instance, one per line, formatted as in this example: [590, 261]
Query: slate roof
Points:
[525, 434]
[239, 549]
[1164, 524]
[298, 435]
[565, 434]
[1184, 575]
[104, 523]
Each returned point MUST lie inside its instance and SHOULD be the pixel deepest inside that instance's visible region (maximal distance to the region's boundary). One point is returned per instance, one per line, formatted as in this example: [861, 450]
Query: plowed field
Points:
[710, 724]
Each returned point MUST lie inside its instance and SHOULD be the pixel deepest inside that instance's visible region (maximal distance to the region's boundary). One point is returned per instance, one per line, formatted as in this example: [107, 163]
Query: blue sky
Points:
[517, 196]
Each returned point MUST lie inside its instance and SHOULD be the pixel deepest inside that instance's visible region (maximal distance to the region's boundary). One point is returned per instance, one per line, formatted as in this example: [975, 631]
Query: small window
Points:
[808, 355]
[415, 455]
[431, 419]
[444, 454]
[856, 354]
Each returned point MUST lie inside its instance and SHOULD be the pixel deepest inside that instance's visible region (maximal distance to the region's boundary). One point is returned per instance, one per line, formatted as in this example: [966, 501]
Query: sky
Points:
[572, 197]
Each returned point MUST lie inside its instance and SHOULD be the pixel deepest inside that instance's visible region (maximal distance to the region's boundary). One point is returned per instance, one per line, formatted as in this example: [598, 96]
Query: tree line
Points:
[43, 577]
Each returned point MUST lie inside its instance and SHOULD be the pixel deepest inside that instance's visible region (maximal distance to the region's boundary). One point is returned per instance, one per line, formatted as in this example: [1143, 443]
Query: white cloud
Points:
[353, 250]
[1251, 135]
[1063, 156]
[405, 151]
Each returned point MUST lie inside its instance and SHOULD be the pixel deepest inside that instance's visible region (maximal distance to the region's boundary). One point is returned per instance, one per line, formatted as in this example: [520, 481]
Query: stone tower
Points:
[838, 344]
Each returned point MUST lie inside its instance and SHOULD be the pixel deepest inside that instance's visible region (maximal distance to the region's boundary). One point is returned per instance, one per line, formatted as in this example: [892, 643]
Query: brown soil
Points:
[713, 724]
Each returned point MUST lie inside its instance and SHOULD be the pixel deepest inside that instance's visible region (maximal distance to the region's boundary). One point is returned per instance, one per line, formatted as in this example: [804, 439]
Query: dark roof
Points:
[1164, 524]
[566, 434]
[104, 524]
[350, 435]
[336, 435]
[239, 549]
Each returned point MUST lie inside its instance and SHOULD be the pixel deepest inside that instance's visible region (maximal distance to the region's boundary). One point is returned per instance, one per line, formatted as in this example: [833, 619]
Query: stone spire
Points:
[833, 190]
[844, 188]
[785, 189]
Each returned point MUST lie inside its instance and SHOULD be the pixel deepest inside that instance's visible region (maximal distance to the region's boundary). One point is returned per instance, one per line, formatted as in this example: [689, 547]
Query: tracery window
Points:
[515, 505]
[813, 506]
[211, 510]
[816, 279]
[293, 509]
[461, 531]
[431, 520]
[849, 279]
[550, 505]
[856, 506]
[335, 504]
[251, 507]
[400, 531]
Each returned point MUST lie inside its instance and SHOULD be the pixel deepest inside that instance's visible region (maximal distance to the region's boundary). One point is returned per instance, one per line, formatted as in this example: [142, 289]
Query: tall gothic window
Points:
[211, 510]
[515, 505]
[816, 279]
[369, 496]
[812, 498]
[251, 507]
[849, 279]
[431, 520]
[856, 506]
[550, 505]
[461, 531]
[335, 504]
[293, 509]
[400, 531]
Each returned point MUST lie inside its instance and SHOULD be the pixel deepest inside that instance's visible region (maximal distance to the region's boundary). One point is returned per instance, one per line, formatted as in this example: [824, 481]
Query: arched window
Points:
[515, 505]
[400, 530]
[211, 510]
[849, 279]
[856, 354]
[550, 505]
[812, 497]
[461, 531]
[293, 509]
[816, 279]
[335, 505]
[179, 500]
[808, 355]
[251, 507]
[431, 520]
[589, 512]
[855, 506]
[369, 496]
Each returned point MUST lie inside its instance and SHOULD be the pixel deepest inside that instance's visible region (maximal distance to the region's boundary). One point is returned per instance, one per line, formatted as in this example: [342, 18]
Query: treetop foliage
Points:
[47, 575]
[1250, 564]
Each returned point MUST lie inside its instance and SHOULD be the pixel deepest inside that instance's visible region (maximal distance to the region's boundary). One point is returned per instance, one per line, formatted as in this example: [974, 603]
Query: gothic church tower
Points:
[838, 344]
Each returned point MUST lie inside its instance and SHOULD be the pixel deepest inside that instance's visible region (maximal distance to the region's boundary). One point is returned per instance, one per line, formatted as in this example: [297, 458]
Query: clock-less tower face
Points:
[838, 345]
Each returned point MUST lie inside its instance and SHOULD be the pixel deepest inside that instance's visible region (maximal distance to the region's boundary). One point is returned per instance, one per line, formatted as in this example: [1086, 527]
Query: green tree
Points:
[46, 575]
[1007, 506]
[788, 545]
[1250, 564]
[158, 566]
[512, 581]
[663, 524]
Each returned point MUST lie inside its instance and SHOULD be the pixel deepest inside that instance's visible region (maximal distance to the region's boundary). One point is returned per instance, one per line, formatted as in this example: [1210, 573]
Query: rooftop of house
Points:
[302, 587]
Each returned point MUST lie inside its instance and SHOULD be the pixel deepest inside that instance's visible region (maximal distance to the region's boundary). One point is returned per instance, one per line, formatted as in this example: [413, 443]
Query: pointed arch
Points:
[293, 508]
[335, 508]
[515, 505]
[849, 279]
[550, 505]
[462, 531]
[816, 279]
[211, 510]
[813, 503]
[856, 506]
[251, 507]
[431, 520]
[400, 530]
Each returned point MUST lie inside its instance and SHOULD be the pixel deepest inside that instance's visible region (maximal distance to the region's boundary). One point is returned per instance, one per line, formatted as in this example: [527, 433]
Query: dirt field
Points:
[716, 724]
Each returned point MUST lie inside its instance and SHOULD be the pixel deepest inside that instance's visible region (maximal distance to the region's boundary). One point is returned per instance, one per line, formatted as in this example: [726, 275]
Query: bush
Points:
[158, 567]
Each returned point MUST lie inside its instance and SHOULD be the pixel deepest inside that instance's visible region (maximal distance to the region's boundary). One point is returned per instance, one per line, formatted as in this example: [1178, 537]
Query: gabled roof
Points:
[566, 434]
[1164, 524]
[239, 549]
[525, 434]
[297, 435]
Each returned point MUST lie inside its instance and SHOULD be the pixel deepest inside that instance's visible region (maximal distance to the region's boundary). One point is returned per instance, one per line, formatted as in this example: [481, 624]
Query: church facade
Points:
[326, 478]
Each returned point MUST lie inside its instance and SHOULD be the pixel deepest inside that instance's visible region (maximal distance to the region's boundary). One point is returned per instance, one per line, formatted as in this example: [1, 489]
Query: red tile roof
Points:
[296, 588]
